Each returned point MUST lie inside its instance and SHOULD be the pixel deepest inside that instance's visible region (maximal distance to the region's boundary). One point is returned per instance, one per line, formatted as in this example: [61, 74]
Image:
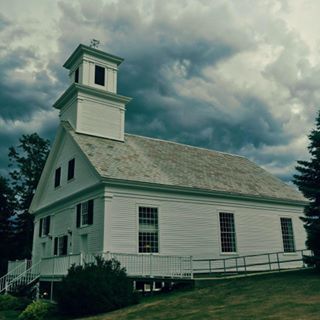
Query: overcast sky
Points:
[236, 76]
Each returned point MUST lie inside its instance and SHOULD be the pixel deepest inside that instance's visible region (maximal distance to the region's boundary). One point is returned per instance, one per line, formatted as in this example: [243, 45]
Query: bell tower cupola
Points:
[91, 103]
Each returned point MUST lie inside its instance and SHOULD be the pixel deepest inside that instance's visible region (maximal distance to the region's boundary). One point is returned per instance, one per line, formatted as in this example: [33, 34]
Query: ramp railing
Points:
[251, 263]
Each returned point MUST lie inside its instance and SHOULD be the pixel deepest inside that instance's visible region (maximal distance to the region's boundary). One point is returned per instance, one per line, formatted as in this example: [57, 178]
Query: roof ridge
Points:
[187, 145]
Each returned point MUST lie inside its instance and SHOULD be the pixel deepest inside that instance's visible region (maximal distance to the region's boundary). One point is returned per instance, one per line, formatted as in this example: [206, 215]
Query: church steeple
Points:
[91, 103]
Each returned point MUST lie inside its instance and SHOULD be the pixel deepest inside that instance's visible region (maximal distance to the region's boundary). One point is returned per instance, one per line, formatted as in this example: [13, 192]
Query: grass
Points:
[9, 315]
[288, 295]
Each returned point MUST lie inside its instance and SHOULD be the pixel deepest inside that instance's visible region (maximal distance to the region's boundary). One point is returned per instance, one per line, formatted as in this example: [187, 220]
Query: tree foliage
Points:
[6, 223]
[94, 288]
[26, 162]
[308, 181]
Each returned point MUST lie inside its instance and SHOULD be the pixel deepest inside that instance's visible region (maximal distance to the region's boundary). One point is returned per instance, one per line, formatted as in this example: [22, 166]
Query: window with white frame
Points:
[84, 213]
[60, 246]
[44, 226]
[287, 235]
[148, 230]
[227, 232]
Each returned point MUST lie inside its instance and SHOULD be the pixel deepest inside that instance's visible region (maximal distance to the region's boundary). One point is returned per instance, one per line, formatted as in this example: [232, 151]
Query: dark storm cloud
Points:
[156, 41]
[188, 67]
[22, 98]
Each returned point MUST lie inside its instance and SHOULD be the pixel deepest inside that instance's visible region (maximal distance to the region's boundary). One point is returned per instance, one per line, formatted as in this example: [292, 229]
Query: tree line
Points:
[26, 162]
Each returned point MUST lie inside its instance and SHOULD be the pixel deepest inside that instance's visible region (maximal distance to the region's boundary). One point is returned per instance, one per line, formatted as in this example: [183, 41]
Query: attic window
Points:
[71, 166]
[99, 75]
[76, 76]
[57, 177]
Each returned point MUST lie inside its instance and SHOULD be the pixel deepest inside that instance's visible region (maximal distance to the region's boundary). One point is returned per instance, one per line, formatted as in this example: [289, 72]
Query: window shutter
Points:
[78, 215]
[55, 247]
[90, 212]
[65, 245]
[48, 225]
[40, 227]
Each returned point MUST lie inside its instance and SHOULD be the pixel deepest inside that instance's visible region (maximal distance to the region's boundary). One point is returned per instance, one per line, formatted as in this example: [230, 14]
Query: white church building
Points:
[161, 208]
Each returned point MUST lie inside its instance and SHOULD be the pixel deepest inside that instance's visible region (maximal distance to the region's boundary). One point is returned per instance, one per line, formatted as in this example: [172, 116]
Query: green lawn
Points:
[288, 295]
[9, 315]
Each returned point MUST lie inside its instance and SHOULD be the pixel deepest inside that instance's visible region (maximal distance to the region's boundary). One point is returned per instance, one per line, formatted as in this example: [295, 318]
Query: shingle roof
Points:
[148, 160]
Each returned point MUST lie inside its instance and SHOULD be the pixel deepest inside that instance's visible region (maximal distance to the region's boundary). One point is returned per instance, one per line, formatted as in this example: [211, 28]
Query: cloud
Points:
[236, 76]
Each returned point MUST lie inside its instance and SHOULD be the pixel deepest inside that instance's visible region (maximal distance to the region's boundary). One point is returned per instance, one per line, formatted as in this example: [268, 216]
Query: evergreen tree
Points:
[6, 224]
[308, 181]
[27, 162]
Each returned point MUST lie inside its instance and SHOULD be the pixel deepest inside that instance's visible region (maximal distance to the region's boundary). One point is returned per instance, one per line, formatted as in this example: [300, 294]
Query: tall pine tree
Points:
[308, 181]
[27, 162]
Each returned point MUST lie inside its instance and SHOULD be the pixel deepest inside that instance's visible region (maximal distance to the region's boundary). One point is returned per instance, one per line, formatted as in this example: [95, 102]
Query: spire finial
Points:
[94, 43]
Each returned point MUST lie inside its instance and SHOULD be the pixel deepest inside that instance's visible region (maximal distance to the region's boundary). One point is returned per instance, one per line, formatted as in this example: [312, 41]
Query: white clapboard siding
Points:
[189, 225]
[84, 175]
[63, 222]
[100, 118]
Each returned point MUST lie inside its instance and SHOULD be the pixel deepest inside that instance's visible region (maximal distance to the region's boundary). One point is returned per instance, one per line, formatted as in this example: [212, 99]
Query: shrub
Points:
[95, 288]
[37, 310]
[9, 302]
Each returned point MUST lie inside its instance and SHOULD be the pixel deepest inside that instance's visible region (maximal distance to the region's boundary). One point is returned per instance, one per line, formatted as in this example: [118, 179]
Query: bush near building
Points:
[95, 288]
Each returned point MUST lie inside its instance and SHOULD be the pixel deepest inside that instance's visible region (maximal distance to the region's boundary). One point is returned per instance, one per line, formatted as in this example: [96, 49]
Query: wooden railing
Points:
[28, 276]
[156, 265]
[138, 265]
[251, 263]
[19, 272]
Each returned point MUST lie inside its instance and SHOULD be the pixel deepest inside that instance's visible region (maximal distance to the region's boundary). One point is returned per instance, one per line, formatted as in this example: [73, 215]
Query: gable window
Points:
[85, 213]
[71, 166]
[44, 226]
[76, 76]
[60, 246]
[148, 230]
[227, 232]
[57, 177]
[99, 75]
[287, 235]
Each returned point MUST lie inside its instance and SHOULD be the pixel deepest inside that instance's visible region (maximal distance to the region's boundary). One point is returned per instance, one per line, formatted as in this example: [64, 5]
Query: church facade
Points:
[103, 190]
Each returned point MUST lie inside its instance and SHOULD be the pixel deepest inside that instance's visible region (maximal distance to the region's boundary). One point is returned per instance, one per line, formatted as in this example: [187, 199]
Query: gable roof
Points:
[148, 160]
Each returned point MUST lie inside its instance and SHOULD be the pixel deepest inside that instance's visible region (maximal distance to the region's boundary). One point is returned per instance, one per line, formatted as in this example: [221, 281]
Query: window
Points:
[71, 166]
[44, 226]
[99, 75]
[60, 246]
[84, 213]
[287, 235]
[148, 230]
[76, 76]
[57, 177]
[227, 232]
